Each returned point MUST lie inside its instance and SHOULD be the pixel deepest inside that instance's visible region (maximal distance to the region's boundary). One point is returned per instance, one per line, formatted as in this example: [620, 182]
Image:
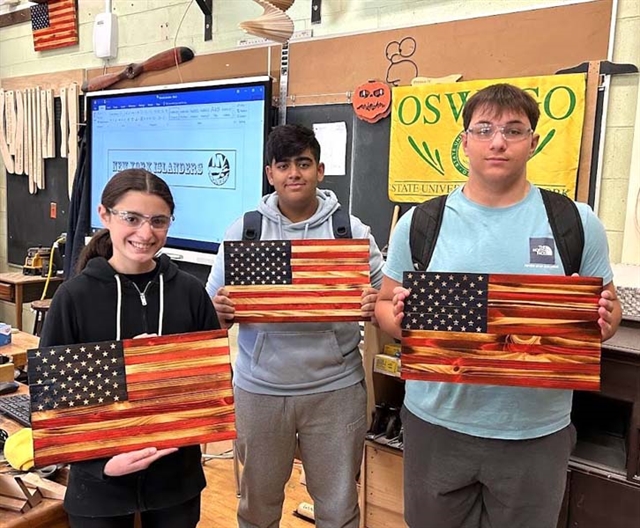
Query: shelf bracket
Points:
[316, 11]
[206, 6]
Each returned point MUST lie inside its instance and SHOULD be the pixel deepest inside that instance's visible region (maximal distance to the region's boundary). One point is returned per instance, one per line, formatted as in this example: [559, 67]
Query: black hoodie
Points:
[84, 310]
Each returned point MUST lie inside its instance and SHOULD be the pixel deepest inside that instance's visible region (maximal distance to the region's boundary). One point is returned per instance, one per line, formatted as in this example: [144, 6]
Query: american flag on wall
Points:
[516, 330]
[273, 281]
[54, 24]
[99, 399]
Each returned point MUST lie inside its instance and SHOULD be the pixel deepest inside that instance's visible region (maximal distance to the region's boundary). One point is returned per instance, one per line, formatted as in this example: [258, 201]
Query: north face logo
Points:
[542, 251]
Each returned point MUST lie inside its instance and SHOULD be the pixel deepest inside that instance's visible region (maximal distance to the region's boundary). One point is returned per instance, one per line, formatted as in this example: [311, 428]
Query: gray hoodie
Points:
[297, 358]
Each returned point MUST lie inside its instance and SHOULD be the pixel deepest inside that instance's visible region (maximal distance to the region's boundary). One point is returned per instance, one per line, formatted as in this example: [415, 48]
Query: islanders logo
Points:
[219, 169]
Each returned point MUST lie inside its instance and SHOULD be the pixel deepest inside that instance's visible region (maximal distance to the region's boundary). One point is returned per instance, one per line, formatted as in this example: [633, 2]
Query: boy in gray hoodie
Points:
[298, 384]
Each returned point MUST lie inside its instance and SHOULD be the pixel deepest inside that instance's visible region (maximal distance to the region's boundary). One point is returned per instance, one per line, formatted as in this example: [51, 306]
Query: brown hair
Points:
[127, 180]
[289, 141]
[501, 98]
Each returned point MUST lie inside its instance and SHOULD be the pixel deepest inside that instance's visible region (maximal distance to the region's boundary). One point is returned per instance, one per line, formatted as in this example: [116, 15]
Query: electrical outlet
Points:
[53, 210]
[164, 31]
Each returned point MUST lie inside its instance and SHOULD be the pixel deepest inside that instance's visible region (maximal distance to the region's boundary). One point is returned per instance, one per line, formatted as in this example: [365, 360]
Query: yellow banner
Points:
[426, 157]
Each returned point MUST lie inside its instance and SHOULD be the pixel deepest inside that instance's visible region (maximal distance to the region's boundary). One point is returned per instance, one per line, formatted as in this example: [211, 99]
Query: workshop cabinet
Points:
[603, 479]
[598, 502]
[383, 487]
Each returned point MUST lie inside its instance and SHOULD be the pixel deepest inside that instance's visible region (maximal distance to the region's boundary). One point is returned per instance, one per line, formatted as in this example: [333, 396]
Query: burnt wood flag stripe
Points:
[496, 329]
[273, 281]
[54, 24]
[97, 400]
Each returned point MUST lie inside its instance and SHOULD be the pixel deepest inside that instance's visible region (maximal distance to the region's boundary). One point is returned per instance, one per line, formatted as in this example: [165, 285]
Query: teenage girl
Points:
[124, 291]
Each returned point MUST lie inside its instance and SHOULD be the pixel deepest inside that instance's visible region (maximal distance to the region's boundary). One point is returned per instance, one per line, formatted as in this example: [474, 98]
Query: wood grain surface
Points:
[100, 399]
[515, 330]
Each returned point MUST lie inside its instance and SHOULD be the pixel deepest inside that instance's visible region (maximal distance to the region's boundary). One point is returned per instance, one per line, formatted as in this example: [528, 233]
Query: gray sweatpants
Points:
[329, 428]
[453, 480]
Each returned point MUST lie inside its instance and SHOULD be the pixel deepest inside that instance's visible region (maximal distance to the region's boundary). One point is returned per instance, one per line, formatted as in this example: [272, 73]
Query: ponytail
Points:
[99, 246]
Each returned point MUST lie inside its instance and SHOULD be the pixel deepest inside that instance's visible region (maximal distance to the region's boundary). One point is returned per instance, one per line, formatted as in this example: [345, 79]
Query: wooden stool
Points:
[40, 308]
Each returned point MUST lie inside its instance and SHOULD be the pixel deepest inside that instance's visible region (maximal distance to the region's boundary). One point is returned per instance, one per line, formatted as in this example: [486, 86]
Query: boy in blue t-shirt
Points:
[480, 455]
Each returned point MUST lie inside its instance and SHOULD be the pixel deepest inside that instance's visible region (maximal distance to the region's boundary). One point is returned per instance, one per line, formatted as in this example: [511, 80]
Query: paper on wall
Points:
[333, 144]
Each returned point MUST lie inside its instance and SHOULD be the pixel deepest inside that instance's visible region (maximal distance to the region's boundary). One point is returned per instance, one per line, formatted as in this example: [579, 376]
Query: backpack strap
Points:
[252, 225]
[566, 225]
[425, 227]
[341, 223]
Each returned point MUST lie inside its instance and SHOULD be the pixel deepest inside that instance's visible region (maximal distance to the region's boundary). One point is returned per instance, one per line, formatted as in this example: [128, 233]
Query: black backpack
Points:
[562, 213]
[252, 226]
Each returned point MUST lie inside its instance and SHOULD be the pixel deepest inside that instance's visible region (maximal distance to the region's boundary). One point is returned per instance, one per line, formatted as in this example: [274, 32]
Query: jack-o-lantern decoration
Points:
[372, 101]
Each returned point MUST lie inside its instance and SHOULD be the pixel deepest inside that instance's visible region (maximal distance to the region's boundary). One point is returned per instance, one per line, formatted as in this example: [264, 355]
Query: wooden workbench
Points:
[17, 349]
[48, 514]
[18, 289]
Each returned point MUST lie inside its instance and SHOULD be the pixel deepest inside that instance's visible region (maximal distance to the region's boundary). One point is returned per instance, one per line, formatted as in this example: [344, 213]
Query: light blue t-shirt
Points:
[478, 239]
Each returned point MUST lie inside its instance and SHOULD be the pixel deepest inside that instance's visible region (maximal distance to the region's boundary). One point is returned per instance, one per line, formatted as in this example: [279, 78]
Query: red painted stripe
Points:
[67, 441]
[584, 331]
[172, 357]
[147, 392]
[175, 338]
[497, 332]
[551, 280]
[355, 281]
[331, 242]
[588, 301]
[539, 312]
[467, 347]
[55, 44]
[176, 373]
[141, 394]
[252, 307]
[306, 318]
[60, 4]
[298, 292]
[318, 306]
[53, 32]
[323, 255]
[67, 37]
[58, 11]
[344, 268]
[527, 367]
[214, 436]
[71, 417]
[321, 275]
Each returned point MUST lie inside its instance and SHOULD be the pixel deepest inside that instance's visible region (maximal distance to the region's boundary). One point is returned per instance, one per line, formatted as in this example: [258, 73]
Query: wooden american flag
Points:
[516, 330]
[274, 281]
[54, 24]
[100, 399]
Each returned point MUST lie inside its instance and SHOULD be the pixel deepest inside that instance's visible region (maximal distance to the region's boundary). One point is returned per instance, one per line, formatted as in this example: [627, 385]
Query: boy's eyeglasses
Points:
[511, 133]
[135, 220]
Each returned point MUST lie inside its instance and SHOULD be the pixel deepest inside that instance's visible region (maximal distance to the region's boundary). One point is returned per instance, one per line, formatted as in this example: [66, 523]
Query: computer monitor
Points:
[206, 140]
